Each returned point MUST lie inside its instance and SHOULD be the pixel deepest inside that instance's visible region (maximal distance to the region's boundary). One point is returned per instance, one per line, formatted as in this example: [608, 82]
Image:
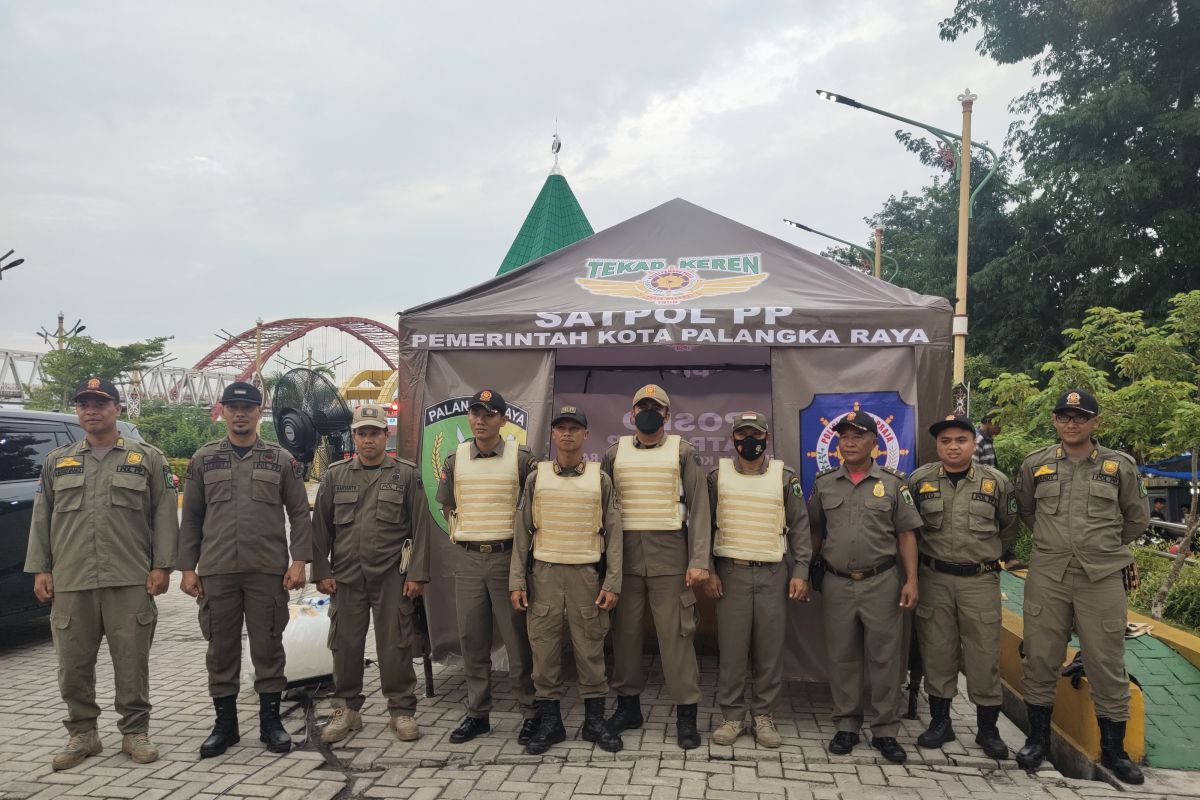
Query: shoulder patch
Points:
[906, 496]
[797, 490]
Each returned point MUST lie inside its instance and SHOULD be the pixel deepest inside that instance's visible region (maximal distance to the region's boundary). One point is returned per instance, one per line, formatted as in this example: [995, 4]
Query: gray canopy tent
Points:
[725, 317]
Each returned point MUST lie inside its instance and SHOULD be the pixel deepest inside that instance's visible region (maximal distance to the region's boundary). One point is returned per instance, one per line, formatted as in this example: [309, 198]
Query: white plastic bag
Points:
[305, 643]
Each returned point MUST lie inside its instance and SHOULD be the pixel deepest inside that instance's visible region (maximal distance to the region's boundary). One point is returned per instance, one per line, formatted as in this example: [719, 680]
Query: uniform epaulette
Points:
[148, 446]
[64, 447]
[899, 473]
[213, 442]
[825, 472]
[406, 462]
[1127, 457]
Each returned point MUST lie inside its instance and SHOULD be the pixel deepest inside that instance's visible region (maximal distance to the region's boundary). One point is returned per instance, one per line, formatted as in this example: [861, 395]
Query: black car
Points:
[26, 437]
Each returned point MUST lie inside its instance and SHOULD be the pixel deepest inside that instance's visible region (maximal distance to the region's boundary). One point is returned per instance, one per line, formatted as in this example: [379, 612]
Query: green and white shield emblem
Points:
[445, 428]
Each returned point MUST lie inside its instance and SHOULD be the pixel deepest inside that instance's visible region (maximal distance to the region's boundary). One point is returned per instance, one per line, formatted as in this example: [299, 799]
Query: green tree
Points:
[83, 357]
[1110, 139]
[177, 430]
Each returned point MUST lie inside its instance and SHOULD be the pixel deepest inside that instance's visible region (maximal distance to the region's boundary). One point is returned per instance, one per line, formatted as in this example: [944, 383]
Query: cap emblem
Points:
[850, 417]
[949, 417]
[1073, 399]
[93, 383]
[485, 395]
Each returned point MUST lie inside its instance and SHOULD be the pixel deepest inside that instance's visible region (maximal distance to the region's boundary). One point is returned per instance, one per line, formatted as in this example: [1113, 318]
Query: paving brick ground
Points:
[372, 764]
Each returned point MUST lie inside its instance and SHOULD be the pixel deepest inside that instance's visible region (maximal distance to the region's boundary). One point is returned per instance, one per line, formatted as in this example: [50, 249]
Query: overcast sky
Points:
[179, 168]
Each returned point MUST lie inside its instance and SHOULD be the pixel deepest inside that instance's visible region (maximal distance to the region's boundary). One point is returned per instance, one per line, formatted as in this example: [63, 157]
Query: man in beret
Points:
[101, 546]
[970, 523]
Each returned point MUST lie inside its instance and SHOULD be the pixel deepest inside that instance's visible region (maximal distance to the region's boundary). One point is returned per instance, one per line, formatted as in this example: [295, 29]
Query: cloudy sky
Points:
[181, 168]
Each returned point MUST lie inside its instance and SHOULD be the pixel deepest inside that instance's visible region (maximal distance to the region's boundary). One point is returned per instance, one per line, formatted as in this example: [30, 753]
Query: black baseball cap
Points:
[569, 413]
[952, 421]
[489, 399]
[96, 387]
[241, 392]
[857, 419]
[1077, 400]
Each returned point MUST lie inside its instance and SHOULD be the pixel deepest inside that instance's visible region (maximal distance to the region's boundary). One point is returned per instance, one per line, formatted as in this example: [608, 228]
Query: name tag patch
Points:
[216, 462]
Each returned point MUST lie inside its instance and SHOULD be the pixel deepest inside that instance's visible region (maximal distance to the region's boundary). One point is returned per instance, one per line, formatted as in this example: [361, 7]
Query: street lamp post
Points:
[875, 254]
[966, 203]
[6, 267]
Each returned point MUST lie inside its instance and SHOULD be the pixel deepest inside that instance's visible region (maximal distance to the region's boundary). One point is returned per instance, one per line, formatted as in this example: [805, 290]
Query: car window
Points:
[23, 451]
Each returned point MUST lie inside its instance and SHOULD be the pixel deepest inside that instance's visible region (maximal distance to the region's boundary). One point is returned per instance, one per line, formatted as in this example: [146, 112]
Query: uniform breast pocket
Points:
[68, 493]
[1046, 495]
[982, 517]
[264, 487]
[1102, 500]
[879, 508]
[218, 486]
[933, 510]
[127, 490]
[343, 507]
[833, 505]
[389, 511]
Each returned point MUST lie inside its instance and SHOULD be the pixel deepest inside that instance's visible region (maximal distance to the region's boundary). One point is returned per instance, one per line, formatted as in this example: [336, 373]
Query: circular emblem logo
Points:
[93, 383]
[485, 395]
[826, 449]
[670, 285]
[1073, 399]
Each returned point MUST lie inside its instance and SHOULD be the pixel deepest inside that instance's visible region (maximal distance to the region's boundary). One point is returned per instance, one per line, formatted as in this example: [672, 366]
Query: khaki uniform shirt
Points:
[651, 553]
[1089, 511]
[610, 515]
[526, 463]
[974, 522]
[233, 511]
[103, 522]
[860, 523]
[795, 513]
[364, 519]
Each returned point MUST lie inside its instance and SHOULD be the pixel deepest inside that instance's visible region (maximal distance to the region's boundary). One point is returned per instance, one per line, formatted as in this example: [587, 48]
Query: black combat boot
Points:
[1112, 752]
[270, 728]
[1037, 742]
[550, 728]
[686, 734]
[988, 735]
[225, 731]
[595, 730]
[628, 715]
[939, 731]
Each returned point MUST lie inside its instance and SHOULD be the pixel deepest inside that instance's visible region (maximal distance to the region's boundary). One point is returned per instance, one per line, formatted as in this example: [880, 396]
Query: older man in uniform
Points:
[759, 517]
[481, 483]
[970, 522]
[1085, 504]
[234, 555]
[101, 546]
[569, 514]
[371, 534]
[667, 541]
[862, 518]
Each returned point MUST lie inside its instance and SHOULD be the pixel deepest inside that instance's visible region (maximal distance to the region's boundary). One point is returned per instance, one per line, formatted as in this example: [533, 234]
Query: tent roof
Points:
[794, 277]
[554, 221]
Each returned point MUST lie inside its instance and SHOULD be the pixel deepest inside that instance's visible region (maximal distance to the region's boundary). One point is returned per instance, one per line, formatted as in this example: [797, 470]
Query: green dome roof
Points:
[554, 221]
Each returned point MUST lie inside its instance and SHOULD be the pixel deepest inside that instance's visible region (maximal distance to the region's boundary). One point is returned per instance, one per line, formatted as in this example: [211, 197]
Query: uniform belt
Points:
[486, 547]
[863, 574]
[952, 568]
[741, 562]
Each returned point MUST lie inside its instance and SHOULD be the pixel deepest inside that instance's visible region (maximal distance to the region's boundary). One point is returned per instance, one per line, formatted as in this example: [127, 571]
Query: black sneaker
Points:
[469, 728]
[842, 743]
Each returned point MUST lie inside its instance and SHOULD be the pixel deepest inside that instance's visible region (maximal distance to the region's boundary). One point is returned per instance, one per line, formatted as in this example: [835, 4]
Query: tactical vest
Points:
[750, 516]
[566, 516]
[485, 495]
[649, 482]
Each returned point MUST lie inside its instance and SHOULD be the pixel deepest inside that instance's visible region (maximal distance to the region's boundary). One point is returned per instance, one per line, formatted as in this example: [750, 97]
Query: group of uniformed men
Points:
[556, 551]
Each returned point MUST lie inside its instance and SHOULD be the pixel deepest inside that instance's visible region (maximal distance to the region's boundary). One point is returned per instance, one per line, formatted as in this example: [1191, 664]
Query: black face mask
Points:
[648, 421]
[750, 448]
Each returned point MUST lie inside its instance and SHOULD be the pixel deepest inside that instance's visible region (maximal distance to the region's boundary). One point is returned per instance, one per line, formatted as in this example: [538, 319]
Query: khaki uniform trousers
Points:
[481, 596]
[261, 601]
[562, 607]
[127, 616]
[864, 633]
[958, 627]
[1097, 612]
[351, 610]
[751, 620]
[673, 609]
